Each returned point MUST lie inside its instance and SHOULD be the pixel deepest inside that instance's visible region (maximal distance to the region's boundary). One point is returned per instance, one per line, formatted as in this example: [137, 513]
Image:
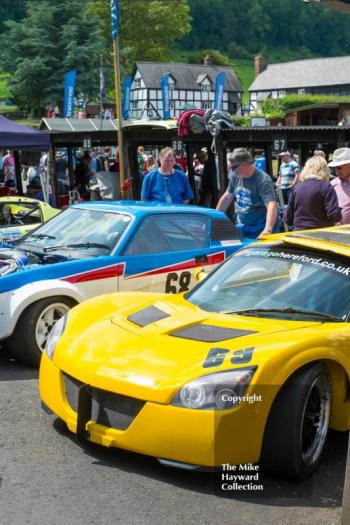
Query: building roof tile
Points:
[186, 75]
[314, 72]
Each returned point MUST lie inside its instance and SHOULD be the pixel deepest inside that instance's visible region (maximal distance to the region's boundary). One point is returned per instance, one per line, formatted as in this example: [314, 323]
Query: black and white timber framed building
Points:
[190, 85]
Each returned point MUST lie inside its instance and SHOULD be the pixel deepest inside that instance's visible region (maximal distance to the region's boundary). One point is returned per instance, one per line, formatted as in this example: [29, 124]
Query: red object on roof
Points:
[184, 121]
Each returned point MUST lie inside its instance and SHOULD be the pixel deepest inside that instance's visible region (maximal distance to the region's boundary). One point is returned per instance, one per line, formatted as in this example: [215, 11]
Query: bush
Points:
[219, 59]
[241, 122]
[297, 101]
[8, 109]
[276, 108]
[272, 109]
[236, 51]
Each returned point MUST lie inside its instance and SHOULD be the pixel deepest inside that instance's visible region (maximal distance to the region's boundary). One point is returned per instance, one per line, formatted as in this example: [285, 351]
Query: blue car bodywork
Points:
[95, 248]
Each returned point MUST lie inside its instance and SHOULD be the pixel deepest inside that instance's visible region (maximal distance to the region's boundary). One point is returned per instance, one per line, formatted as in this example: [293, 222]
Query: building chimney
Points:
[260, 64]
[208, 61]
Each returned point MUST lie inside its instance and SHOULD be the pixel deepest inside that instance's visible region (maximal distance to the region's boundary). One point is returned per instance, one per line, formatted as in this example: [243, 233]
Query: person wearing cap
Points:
[288, 175]
[254, 195]
[341, 184]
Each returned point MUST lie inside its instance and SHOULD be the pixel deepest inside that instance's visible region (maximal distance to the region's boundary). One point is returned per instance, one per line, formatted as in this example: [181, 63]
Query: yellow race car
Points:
[19, 215]
[250, 366]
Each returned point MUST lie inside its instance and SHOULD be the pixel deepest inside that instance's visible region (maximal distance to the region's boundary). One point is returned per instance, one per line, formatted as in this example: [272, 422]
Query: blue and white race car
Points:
[96, 248]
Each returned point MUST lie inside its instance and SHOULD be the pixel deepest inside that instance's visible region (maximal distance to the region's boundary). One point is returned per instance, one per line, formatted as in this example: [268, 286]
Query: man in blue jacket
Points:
[166, 184]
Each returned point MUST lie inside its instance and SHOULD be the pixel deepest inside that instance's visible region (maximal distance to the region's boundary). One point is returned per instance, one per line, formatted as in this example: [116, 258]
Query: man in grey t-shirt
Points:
[254, 195]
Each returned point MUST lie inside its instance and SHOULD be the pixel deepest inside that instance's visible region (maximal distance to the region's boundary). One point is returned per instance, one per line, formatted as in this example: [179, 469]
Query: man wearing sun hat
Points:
[288, 174]
[341, 184]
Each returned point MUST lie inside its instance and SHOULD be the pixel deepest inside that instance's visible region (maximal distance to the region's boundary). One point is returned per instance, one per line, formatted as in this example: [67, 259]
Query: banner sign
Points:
[164, 84]
[69, 88]
[219, 90]
[115, 16]
[126, 96]
[102, 85]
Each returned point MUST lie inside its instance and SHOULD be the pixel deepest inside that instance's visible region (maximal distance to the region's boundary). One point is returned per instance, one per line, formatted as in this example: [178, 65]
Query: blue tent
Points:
[16, 137]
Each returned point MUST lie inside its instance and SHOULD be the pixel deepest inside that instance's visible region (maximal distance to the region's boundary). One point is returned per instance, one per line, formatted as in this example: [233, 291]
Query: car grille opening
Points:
[107, 408]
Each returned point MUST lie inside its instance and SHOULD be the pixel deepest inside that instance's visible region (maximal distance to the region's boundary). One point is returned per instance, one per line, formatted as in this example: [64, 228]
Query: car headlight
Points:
[218, 391]
[54, 336]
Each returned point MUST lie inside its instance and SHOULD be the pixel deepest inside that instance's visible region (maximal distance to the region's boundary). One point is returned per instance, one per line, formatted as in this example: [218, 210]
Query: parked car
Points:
[251, 365]
[98, 247]
[19, 215]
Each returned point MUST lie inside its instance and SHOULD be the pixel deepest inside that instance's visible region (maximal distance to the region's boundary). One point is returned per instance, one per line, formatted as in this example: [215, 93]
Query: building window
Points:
[206, 104]
[172, 104]
[137, 83]
[134, 105]
[205, 87]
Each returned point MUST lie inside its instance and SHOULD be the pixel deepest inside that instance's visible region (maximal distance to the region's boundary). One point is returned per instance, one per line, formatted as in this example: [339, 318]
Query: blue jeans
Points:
[252, 232]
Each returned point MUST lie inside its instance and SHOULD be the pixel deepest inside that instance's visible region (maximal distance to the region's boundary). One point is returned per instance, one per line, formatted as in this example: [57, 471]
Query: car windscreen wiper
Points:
[286, 310]
[78, 245]
[42, 236]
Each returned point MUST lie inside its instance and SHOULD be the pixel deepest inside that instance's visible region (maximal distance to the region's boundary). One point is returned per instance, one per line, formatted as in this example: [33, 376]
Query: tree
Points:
[197, 57]
[11, 9]
[148, 29]
[54, 37]
[286, 29]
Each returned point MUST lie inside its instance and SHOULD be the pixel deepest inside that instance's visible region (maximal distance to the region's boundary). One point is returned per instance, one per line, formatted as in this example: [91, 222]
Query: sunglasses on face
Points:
[235, 166]
[339, 168]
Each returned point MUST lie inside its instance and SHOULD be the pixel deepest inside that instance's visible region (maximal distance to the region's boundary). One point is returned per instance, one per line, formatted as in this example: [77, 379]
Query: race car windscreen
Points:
[18, 213]
[278, 282]
[80, 229]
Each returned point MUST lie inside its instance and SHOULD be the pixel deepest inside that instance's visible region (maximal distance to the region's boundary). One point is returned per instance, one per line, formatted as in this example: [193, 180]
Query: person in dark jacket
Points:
[313, 202]
[82, 176]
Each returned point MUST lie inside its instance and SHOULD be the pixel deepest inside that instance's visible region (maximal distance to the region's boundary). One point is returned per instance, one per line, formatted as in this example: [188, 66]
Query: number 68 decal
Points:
[176, 283]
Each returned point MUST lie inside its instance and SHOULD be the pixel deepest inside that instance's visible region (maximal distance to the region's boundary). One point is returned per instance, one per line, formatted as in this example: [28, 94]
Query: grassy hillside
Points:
[245, 72]
[5, 93]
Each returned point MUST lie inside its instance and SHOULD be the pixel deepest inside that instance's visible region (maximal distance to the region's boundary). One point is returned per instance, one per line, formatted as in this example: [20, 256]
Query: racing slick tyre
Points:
[28, 340]
[297, 425]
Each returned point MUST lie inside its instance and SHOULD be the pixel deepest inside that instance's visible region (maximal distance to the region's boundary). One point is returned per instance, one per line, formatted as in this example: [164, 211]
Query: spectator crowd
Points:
[318, 195]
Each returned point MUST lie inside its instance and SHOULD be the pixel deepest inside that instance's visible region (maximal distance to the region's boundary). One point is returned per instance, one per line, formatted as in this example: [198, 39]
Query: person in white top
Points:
[341, 184]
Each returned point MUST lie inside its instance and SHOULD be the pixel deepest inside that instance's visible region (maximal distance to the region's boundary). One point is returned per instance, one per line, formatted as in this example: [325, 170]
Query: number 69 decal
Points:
[176, 283]
[216, 356]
